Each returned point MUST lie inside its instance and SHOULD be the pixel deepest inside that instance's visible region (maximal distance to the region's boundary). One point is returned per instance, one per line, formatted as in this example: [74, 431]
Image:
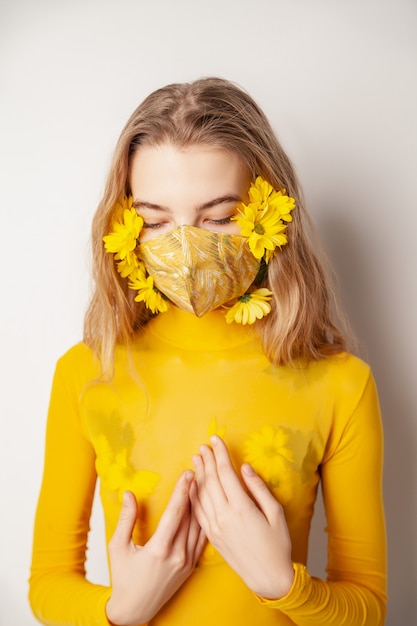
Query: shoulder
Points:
[347, 372]
[79, 361]
[343, 379]
[78, 353]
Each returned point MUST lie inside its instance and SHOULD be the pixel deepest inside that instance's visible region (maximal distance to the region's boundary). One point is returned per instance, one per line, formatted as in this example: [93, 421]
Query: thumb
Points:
[259, 490]
[128, 514]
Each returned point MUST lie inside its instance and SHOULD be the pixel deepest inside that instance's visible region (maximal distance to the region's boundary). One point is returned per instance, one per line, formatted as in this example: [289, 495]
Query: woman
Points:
[210, 339]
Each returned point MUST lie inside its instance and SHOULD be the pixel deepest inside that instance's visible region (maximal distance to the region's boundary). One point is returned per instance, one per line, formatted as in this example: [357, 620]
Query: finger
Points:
[213, 477]
[198, 511]
[210, 492]
[181, 536]
[196, 506]
[200, 545]
[194, 526]
[229, 480]
[260, 491]
[196, 535]
[128, 514]
[176, 510]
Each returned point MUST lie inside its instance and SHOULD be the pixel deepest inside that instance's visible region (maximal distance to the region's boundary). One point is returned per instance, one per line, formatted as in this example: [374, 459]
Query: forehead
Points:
[166, 171]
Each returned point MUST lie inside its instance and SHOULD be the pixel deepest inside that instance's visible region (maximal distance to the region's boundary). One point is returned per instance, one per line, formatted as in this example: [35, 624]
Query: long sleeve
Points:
[59, 592]
[354, 593]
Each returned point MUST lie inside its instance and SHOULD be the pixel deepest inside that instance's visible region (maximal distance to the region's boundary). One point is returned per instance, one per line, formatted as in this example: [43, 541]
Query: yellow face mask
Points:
[197, 269]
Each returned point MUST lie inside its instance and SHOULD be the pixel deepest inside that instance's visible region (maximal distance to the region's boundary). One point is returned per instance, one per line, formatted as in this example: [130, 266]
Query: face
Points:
[197, 186]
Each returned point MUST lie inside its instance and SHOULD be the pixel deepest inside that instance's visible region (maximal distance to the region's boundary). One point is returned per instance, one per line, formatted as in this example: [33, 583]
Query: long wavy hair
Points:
[305, 321]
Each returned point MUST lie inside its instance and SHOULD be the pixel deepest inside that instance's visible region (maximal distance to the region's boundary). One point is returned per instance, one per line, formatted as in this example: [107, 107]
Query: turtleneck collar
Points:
[210, 332]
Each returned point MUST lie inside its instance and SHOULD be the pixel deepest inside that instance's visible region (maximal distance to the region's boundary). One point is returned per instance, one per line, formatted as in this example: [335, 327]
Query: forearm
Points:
[67, 599]
[314, 602]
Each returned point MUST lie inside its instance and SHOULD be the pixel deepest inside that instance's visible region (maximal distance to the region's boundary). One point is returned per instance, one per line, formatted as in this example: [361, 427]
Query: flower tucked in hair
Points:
[250, 307]
[263, 220]
[122, 242]
[148, 293]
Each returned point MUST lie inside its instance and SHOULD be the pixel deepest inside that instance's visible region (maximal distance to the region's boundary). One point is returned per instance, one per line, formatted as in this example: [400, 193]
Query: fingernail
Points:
[214, 439]
[248, 469]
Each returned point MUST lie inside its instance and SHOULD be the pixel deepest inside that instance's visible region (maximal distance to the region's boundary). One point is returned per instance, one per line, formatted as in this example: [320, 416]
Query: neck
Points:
[211, 331]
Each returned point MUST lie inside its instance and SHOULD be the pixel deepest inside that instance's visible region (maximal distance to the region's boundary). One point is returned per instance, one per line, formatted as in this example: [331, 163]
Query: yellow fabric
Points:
[183, 379]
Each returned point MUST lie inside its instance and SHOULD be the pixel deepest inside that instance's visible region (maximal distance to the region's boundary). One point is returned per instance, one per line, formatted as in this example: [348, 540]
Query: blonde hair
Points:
[218, 113]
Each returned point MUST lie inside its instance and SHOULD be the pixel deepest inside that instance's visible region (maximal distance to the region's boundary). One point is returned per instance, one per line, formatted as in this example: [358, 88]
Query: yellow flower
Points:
[263, 229]
[104, 455]
[118, 471]
[250, 307]
[142, 483]
[120, 207]
[267, 453]
[261, 191]
[118, 474]
[137, 275]
[122, 242]
[123, 239]
[149, 294]
[263, 220]
[127, 266]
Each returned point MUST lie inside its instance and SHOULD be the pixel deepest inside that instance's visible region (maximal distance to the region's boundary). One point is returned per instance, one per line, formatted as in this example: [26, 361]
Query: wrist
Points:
[117, 617]
[280, 588]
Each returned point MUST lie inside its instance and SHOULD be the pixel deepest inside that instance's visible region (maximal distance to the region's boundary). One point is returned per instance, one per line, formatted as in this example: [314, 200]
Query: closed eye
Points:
[223, 220]
[155, 225]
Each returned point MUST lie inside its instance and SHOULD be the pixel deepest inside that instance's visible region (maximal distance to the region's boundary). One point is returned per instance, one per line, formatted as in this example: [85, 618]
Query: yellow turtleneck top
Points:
[183, 379]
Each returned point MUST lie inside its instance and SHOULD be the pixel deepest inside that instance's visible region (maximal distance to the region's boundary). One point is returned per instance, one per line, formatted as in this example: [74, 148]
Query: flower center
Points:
[259, 229]
[270, 452]
[245, 298]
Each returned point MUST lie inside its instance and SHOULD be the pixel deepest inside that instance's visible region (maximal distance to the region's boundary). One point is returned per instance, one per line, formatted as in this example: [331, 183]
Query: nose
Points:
[185, 217]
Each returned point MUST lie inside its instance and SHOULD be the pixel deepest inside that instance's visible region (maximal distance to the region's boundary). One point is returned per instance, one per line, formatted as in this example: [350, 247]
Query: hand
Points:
[145, 577]
[252, 536]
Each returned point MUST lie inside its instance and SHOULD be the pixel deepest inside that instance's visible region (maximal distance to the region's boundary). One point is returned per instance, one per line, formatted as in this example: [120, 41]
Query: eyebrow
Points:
[142, 204]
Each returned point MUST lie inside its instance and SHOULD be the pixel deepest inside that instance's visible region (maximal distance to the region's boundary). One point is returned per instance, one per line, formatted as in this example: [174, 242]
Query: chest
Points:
[146, 425]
